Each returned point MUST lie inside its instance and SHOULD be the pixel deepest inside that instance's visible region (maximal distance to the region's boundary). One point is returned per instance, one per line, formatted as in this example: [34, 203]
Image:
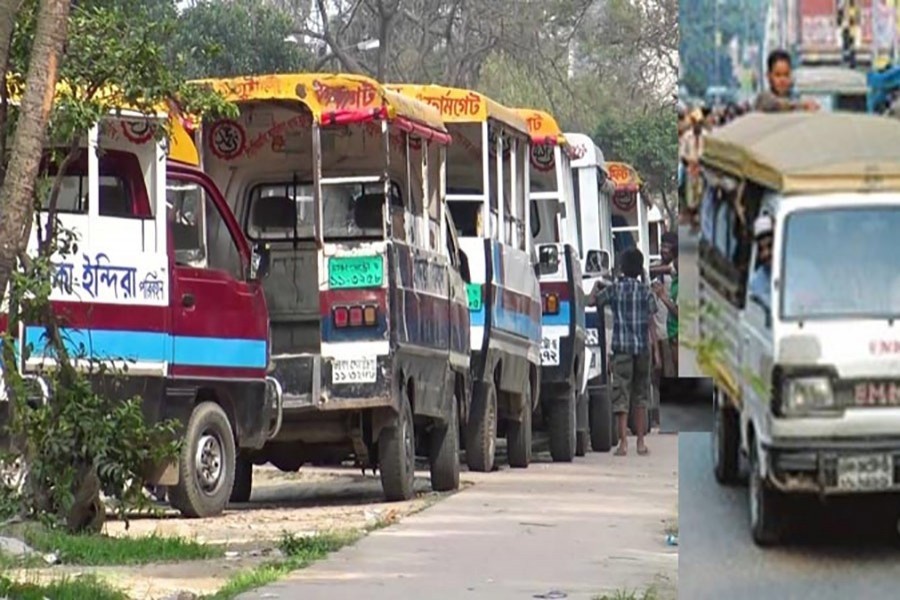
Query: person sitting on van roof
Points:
[633, 307]
[778, 97]
[761, 280]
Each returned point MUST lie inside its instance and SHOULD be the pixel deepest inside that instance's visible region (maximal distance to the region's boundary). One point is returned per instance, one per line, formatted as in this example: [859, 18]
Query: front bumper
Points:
[307, 384]
[820, 466]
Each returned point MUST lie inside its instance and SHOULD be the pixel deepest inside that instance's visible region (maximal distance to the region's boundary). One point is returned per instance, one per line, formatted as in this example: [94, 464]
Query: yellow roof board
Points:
[458, 105]
[542, 126]
[624, 176]
[328, 96]
[809, 152]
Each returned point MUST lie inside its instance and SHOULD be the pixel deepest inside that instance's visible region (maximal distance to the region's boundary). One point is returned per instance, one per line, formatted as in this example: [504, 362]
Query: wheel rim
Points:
[208, 462]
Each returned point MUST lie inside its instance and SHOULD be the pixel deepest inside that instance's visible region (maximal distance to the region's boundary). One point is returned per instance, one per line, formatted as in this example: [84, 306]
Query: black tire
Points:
[602, 426]
[444, 452]
[518, 435]
[562, 427]
[481, 430]
[397, 455]
[766, 506]
[203, 491]
[243, 480]
[725, 438]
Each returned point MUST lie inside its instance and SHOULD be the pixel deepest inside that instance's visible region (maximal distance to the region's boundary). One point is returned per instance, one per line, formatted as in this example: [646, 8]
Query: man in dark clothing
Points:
[633, 306]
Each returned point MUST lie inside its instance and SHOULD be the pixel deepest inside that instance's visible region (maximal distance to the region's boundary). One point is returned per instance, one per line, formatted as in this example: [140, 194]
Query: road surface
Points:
[591, 527]
[850, 550]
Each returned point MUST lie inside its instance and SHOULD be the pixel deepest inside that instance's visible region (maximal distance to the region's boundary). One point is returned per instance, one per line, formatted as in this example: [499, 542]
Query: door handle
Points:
[188, 300]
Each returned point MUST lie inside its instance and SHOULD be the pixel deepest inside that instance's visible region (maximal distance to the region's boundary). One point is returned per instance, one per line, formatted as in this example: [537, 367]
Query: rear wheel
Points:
[601, 421]
[243, 480]
[444, 457]
[562, 427]
[481, 430]
[518, 435]
[206, 463]
[397, 454]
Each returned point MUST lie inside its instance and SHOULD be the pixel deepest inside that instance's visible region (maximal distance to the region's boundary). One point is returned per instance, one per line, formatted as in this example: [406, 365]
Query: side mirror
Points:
[464, 267]
[260, 261]
[596, 263]
[548, 259]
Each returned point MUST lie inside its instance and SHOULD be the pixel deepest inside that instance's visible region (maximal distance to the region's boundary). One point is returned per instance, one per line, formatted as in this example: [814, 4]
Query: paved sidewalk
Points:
[587, 528]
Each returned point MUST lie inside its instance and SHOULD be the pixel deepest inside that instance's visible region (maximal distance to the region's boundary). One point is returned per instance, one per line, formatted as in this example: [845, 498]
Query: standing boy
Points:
[634, 338]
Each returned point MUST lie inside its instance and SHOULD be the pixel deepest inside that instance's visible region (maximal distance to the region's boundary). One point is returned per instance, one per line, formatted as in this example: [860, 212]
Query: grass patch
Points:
[96, 550]
[649, 594]
[299, 552]
[86, 587]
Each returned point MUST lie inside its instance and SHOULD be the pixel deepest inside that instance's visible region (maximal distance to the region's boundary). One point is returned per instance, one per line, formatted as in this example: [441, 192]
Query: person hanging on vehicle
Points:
[778, 97]
[761, 280]
[667, 293]
[634, 339]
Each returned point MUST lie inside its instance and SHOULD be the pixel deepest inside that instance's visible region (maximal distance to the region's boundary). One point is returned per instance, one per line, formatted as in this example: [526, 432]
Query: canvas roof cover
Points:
[809, 152]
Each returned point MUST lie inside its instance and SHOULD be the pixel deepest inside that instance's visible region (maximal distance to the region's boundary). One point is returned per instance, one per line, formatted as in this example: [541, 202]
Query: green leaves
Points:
[241, 37]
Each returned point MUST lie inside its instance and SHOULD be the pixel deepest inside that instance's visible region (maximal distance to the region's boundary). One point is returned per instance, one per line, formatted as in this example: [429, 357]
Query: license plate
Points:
[550, 351]
[353, 370]
[355, 272]
[591, 337]
[870, 472]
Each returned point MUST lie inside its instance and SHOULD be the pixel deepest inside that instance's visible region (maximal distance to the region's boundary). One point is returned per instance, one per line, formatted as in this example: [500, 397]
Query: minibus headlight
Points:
[807, 395]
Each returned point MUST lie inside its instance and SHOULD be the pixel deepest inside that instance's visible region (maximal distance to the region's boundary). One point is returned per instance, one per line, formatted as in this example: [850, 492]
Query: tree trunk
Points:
[16, 195]
[17, 192]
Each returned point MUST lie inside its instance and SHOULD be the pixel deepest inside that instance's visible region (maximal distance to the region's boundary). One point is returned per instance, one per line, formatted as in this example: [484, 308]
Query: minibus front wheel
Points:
[205, 464]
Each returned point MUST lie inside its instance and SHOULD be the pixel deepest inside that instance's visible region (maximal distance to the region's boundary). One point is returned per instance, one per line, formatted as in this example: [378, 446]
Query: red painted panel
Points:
[222, 306]
[84, 315]
[560, 288]
[215, 372]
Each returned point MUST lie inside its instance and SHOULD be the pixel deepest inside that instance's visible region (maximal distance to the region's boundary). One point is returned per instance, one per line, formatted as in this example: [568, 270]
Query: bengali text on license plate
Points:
[550, 351]
[355, 272]
[353, 370]
[865, 473]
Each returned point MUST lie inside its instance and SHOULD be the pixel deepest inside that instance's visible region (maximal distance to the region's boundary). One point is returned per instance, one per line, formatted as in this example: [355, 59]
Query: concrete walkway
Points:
[584, 529]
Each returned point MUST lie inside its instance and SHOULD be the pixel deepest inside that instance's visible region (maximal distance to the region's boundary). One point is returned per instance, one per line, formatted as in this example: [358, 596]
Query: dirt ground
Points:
[312, 500]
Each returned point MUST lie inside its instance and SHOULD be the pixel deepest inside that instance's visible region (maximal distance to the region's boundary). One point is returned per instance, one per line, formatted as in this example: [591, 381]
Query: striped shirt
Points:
[633, 304]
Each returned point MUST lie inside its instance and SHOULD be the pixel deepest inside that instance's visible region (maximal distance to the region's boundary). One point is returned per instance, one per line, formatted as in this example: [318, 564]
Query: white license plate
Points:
[353, 370]
[550, 351]
[591, 337]
[869, 472]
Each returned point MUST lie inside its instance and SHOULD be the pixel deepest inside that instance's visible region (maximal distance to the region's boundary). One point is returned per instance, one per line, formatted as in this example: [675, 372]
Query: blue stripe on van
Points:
[561, 318]
[157, 347]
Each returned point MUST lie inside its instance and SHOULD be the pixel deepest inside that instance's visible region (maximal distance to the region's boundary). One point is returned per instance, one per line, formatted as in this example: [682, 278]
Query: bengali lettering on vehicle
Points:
[97, 277]
[468, 106]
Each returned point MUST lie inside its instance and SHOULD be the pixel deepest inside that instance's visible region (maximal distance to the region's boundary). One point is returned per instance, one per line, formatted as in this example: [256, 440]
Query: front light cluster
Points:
[805, 395]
